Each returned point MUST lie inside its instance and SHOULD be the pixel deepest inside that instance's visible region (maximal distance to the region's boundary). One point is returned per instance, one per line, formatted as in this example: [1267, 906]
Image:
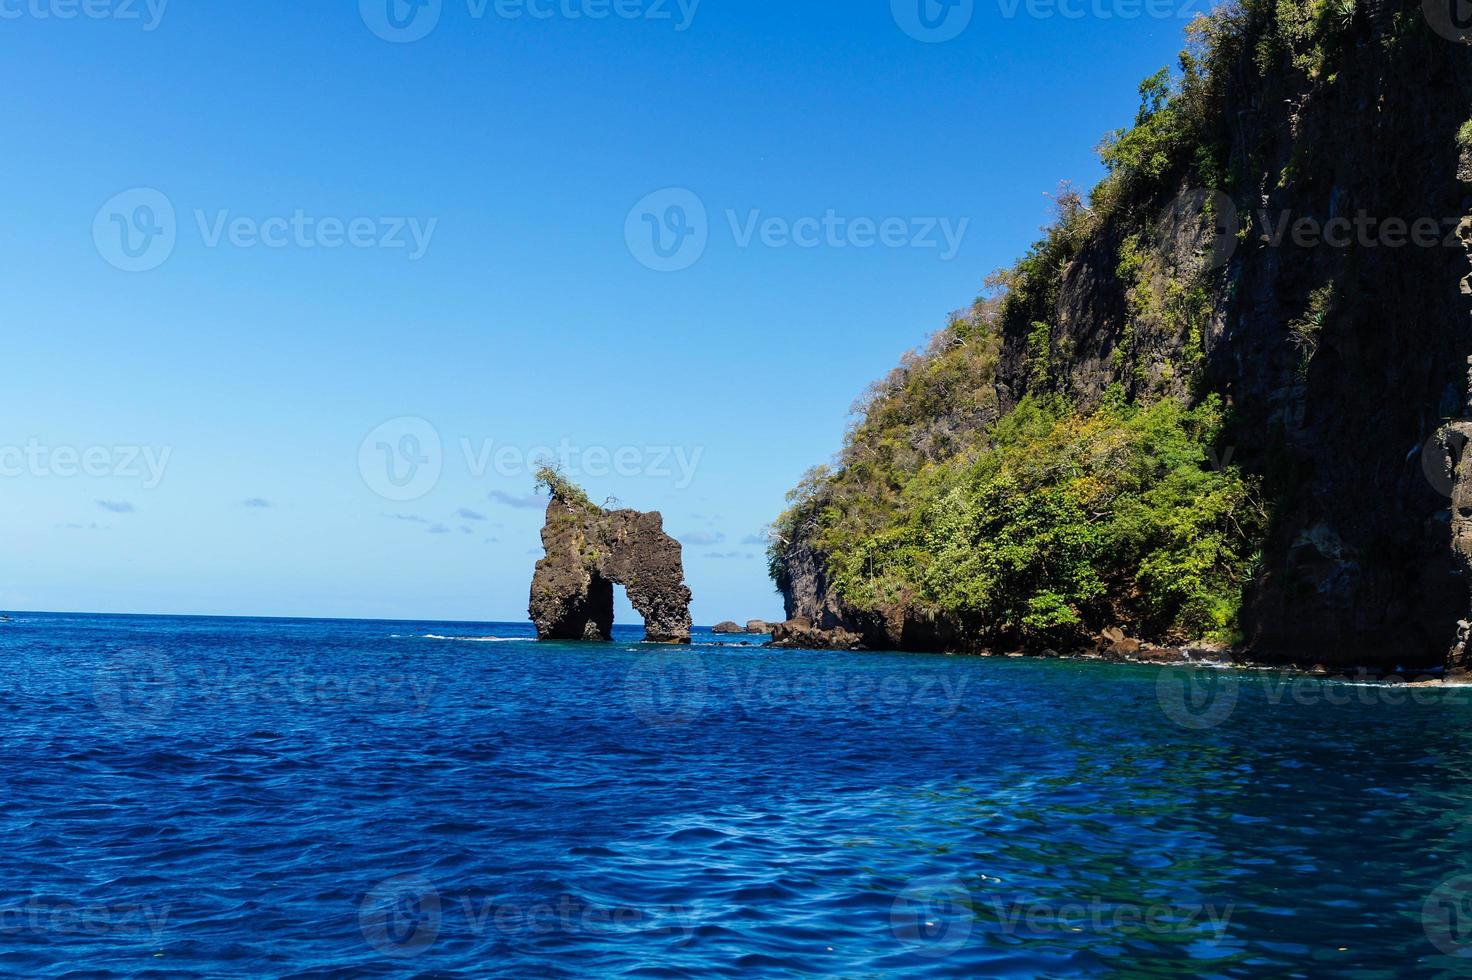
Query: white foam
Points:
[475, 639]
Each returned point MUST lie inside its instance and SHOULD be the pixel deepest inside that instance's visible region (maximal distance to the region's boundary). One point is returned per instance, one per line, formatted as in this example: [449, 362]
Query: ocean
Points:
[252, 797]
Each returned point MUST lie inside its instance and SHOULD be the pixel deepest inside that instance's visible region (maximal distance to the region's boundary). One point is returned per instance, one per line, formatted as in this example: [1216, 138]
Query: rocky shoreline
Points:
[1113, 646]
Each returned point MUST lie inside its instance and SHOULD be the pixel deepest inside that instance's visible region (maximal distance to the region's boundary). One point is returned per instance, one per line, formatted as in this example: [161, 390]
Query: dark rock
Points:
[589, 550]
[802, 635]
[726, 627]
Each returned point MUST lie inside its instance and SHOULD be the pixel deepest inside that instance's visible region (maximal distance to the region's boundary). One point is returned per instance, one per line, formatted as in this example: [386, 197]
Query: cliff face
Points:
[1263, 251]
[588, 551]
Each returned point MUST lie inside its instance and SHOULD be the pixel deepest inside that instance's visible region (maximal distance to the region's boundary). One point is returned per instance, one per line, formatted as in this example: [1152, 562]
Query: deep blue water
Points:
[200, 797]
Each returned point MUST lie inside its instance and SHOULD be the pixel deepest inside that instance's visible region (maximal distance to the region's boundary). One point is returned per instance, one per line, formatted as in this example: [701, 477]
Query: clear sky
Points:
[216, 410]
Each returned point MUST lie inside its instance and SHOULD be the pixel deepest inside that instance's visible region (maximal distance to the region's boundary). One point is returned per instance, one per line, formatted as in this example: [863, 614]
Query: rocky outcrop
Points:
[758, 626]
[726, 628]
[801, 634]
[589, 550]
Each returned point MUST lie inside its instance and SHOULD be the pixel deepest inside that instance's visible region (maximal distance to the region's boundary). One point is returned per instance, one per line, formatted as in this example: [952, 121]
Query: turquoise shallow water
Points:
[200, 797]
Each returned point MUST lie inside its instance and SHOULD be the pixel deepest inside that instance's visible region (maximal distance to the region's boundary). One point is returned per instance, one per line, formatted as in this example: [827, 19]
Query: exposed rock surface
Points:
[801, 634]
[758, 626]
[588, 551]
[726, 627]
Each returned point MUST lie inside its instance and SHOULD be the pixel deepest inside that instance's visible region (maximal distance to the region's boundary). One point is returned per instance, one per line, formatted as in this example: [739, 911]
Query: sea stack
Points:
[589, 550]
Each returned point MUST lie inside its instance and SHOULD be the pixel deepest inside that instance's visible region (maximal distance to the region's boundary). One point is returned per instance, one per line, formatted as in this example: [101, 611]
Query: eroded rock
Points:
[589, 550]
[801, 634]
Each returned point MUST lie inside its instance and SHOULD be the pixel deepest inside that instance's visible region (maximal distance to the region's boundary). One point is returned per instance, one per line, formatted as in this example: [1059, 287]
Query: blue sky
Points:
[213, 433]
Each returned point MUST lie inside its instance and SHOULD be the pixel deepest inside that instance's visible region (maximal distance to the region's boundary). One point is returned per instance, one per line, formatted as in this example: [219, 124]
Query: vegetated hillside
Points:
[1174, 415]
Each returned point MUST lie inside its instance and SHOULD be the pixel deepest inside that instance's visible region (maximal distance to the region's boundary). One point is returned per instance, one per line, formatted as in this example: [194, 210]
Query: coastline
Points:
[1117, 649]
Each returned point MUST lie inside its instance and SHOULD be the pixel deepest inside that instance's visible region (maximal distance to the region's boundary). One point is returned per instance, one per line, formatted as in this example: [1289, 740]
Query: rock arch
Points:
[588, 551]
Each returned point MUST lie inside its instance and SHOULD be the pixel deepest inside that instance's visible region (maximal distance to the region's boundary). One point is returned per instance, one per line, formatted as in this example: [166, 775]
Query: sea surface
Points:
[247, 797]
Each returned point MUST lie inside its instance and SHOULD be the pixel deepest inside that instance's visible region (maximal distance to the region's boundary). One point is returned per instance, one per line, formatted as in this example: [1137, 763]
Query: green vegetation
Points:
[1064, 524]
[1307, 329]
[972, 489]
[552, 479]
[1464, 135]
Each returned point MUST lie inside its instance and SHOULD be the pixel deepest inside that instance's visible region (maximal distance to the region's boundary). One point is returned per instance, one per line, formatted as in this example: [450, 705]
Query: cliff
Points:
[1220, 400]
[589, 550]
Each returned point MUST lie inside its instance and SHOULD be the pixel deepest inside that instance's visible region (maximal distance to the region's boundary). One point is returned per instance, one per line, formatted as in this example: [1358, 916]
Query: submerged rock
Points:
[589, 550]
